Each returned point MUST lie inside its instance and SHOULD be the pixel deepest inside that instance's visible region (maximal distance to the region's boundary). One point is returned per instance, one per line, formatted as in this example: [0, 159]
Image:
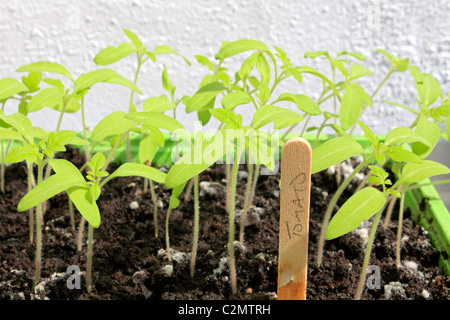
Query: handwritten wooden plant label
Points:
[294, 219]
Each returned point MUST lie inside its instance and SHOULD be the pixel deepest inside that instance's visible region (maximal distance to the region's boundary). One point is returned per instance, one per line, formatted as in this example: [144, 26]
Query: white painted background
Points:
[71, 33]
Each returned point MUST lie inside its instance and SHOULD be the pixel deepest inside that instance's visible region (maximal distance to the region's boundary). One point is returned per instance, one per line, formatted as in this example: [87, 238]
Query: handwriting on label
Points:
[299, 186]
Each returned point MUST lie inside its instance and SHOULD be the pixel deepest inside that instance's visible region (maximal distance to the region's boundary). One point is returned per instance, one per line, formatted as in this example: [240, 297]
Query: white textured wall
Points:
[71, 33]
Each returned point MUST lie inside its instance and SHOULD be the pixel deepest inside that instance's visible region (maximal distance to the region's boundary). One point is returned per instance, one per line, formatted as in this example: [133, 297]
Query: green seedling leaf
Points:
[302, 101]
[82, 199]
[87, 80]
[315, 54]
[112, 54]
[402, 135]
[416, 172]
[338, 129]
[97, 162]
[239, 46]
[431, 132]
[351, 106]
[167, 85]
[333, 152]
[358, 71]
[205, 62]
[313, 71]
[165, 49]
[203, 96]
[428, 88]
[235, 98]
[359, 207]
[57, 140]
[296, 74]
[139, 170]
[112, 125]
[203, 115]
[228, 117]
[32, 81]
[80, 194]
[340, 66]
[447, 125]
[263, 93]
[270, 113]
[444, 110]
[386, 54]
[48, 97]
[399, 154]
[287, 122]
[368, 133]
[247, 66]
[21, 123]
[21, 153]
[54, 83]
[155, 119]
[48, 188]
[198, 159]
[44, 66]
[147, 148]
[133, 38]
[10, 134]
[356, 55]
[174, 201]
[64, 166]
[263, 67]
[117, 79]
[10, 87]
[158, 104]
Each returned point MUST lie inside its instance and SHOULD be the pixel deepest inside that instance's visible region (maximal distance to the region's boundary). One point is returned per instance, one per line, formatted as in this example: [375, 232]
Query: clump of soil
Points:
[130, 263]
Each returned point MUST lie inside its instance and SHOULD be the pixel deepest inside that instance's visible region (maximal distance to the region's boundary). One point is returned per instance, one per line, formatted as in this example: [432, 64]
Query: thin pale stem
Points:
[363, 183]
[80, 233]
[187, 193]
[332, 204]
[2, 170]
[155, 208]
[400, 225]
[89, 259]
[254, 182]
[389, 210]
[308, 117]
[228, 173]
[367, 255]
[83, 119]
[31, 184]
[231, 218]
[131, 102]
[251, 167]
[72, 219]
[37, 274]
[167, 234]
[196, 226]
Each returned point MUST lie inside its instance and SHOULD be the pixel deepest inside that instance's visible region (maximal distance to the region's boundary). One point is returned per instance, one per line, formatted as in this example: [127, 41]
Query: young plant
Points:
[113, 54]
[12, 89]
[248, 87]
[39, 154]
[333, 151]
[152, 137]
[84, 194]
[369, 201]
[202, 154]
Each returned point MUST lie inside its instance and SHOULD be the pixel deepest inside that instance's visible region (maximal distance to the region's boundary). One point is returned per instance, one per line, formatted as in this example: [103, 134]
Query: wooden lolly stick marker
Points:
[294, 219]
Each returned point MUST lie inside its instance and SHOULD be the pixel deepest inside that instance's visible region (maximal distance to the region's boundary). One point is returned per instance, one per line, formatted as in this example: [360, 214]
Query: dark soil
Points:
[130, 263]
